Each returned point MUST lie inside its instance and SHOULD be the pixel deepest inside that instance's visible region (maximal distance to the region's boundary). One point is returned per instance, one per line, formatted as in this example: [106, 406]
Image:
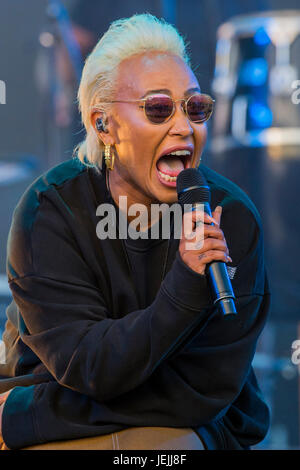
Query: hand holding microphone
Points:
[213, 246]
[212, 255]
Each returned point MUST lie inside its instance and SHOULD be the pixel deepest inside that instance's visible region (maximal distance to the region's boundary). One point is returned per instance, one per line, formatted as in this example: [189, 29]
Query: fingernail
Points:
[211, 218]
[228, 257]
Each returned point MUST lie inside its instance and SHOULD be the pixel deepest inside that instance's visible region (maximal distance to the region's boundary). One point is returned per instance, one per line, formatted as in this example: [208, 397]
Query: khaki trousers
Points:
[138, 438]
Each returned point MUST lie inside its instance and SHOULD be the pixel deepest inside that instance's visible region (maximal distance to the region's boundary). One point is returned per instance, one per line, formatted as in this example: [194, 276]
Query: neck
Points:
[118, 187]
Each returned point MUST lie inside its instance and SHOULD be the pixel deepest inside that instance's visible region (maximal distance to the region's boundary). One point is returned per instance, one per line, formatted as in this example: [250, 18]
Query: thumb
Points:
[217, 214]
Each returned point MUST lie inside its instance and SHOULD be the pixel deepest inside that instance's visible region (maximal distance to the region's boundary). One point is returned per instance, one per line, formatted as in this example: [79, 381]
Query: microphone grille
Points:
[192, 187]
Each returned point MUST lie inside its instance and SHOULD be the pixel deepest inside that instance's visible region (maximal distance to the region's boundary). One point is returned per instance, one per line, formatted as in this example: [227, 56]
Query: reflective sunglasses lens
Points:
[200, 108]
[158, 108]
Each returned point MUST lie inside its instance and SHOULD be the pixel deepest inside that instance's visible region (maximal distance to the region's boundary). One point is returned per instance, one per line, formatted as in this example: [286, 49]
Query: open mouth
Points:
[170, 165]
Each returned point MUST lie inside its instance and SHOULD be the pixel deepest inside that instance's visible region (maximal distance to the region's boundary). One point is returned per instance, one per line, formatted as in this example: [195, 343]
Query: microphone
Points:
[192, 188]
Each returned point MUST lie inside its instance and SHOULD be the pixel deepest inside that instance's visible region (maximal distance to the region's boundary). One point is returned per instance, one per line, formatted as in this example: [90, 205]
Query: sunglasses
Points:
[160, 108]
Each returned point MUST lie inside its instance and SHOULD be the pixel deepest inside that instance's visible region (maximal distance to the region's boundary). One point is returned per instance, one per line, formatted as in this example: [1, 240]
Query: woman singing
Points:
[114, 338]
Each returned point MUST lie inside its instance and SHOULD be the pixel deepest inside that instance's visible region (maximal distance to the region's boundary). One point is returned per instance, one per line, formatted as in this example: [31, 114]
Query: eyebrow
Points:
[168, 92]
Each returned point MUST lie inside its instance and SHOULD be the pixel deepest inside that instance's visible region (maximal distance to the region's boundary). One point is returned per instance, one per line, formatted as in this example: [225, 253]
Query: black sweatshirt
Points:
[113, 344]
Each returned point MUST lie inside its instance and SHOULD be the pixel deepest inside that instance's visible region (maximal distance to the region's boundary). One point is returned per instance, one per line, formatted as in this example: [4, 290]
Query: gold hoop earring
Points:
[109, 157]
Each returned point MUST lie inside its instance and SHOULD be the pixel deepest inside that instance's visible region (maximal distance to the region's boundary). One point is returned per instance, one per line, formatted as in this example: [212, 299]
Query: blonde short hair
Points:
[124, 38]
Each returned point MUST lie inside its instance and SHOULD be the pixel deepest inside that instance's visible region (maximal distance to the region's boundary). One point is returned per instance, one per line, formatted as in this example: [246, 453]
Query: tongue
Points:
[170, 164]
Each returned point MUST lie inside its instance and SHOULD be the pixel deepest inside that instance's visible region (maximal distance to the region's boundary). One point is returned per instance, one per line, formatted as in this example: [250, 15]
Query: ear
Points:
[104, 136]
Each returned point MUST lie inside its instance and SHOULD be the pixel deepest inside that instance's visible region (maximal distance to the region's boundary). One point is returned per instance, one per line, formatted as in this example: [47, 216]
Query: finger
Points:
[217, 213]
[213, 231]
[205, 231]
[199, 216]
[195, 220]
[211, 244]
[203, 217]
[214, 255]
[205, 244]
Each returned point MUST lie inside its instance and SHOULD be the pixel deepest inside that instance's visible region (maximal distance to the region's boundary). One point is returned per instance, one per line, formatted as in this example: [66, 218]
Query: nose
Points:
[180, 123]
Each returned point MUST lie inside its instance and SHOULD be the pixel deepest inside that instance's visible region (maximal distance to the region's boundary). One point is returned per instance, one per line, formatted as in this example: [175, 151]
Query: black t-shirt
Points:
[146, 255]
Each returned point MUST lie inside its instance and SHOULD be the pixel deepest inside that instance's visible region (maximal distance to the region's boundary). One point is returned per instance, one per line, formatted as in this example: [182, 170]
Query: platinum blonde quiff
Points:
[124, 38]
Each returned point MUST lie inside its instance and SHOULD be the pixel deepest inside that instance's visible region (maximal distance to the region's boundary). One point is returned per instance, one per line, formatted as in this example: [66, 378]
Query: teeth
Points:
[167, 177]
[181, 152]
[178, 153]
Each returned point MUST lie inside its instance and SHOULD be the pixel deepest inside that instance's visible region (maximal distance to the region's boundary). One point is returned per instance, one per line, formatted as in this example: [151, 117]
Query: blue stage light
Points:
[254, 72]
[261, 37]
[260, 115]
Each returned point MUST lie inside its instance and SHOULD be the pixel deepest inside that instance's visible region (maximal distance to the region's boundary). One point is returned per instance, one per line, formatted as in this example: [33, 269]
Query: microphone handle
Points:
[221, 287]
[219, 280]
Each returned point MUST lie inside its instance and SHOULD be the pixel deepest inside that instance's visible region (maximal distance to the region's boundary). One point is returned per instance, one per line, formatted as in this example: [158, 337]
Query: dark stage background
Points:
[249, 74]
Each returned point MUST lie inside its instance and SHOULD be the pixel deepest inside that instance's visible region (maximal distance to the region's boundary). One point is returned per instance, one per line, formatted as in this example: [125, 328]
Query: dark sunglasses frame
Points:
[211, 101]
